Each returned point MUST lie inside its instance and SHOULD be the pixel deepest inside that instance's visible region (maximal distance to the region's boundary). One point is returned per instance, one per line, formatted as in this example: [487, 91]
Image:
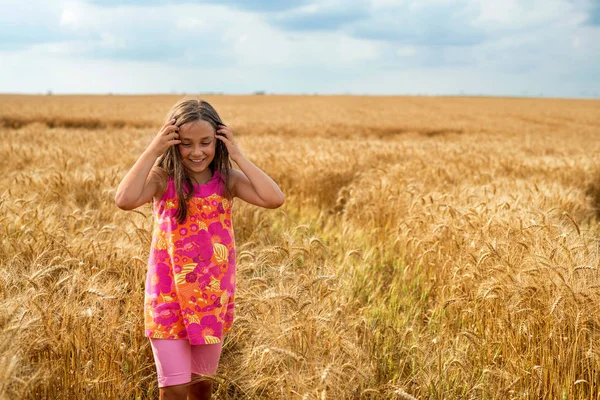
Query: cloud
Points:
[325, 51]
[364, 46]
[535, 35]
[22, 27]
[510, 36]
[436, 26]
[16, 36]
[204, 35]
[423, 24]
[263, 5]
[412, 22]
[259, 5]
[321, 16]
[594, 15]
[184, 34]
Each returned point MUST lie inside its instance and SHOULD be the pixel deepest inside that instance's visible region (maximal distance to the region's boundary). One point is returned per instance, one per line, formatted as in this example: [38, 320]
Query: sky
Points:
[538, 48]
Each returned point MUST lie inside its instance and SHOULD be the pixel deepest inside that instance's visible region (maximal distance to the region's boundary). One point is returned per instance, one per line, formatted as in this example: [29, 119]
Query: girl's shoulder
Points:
[161, 178]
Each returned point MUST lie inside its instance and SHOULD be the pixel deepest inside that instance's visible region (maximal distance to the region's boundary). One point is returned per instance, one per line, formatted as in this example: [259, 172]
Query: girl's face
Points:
[197, 148]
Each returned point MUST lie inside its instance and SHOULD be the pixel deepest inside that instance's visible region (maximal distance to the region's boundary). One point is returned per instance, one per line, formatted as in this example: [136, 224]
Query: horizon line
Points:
[265, 93]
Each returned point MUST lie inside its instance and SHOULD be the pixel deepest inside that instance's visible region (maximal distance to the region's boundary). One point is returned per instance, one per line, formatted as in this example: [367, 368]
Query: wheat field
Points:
[430, 248]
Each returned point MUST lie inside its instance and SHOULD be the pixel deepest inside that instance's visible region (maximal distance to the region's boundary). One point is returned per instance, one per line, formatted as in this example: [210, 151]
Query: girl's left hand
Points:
[225, 134]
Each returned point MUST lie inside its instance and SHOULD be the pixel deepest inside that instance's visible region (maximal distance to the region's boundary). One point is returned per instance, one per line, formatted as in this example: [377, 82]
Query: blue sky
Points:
[545, 48]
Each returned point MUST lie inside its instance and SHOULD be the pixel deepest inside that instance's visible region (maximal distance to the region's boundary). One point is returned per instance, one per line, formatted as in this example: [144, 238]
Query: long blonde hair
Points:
[190, 111]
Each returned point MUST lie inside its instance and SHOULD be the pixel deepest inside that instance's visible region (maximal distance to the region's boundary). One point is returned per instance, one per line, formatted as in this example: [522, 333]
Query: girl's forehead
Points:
[196, 129]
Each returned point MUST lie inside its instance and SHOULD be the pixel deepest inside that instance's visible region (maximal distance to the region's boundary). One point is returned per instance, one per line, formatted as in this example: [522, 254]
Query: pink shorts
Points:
[176, 360]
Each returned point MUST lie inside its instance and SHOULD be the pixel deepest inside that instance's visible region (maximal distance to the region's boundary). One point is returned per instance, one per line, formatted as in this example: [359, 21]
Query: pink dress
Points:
[191, 279]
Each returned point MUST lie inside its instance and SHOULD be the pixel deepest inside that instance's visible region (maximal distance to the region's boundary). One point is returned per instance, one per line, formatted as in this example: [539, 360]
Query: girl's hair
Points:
[191, 111]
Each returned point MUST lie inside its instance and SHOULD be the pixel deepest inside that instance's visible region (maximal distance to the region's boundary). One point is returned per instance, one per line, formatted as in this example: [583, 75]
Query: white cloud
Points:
[406, 51]
[377, 46]
[518, 15]
[262, 46]
[70, 17]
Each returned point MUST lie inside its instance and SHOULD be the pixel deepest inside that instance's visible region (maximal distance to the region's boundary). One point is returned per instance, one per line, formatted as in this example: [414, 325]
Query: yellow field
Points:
[441, 248]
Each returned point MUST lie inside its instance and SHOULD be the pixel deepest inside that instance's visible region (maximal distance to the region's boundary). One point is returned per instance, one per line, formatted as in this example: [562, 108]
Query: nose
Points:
[197, 151]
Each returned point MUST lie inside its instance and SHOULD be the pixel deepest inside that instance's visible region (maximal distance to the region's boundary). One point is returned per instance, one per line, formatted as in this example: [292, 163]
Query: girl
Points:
[191, 279]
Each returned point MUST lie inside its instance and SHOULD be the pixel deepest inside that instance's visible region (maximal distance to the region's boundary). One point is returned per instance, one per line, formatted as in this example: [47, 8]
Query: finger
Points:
[225, 132]
[226, 139]
[223, 139]
[169, 122]
[171, 128]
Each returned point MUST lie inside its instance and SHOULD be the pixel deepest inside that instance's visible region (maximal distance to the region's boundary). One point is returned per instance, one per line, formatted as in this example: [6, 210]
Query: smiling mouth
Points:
[197, 161]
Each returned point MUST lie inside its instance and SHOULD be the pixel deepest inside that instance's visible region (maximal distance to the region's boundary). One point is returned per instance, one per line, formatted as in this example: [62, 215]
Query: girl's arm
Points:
[251, 184]
[142, 182]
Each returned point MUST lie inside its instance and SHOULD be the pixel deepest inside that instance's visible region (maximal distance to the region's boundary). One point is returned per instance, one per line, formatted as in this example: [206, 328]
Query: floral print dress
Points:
[191, 279]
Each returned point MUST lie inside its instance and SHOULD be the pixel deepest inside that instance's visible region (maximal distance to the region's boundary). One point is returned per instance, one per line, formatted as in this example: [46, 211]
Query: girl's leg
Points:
[201, 390]
[173, 363]
[175, 392]
[205, 361]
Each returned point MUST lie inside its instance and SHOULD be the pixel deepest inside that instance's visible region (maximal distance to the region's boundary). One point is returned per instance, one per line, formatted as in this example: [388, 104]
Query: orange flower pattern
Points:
[191, 279]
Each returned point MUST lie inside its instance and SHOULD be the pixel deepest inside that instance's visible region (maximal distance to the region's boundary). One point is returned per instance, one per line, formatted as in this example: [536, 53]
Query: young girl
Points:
[191, 278]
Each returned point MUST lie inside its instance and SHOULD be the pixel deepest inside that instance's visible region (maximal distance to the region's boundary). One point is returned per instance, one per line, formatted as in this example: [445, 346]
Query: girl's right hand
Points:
[168, 136]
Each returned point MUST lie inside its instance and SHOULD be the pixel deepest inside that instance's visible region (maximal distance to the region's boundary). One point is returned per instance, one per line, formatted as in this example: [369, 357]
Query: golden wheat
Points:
[428, 248]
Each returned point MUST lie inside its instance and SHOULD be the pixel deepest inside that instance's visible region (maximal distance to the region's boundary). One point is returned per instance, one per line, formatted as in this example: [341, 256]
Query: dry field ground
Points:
[435, 248]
